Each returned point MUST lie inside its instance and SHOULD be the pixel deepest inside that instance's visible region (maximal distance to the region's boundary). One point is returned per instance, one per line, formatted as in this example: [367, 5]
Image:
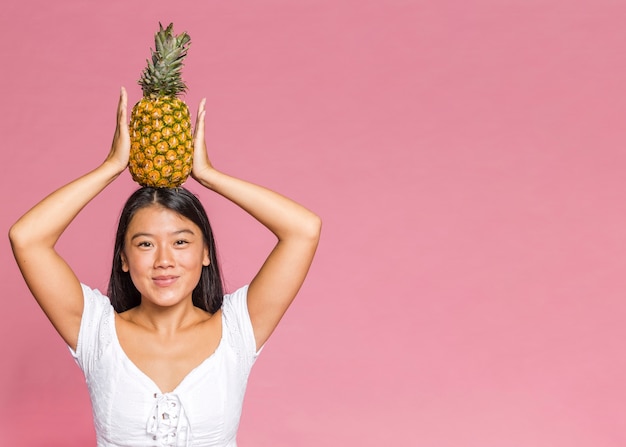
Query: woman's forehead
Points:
[158, 218]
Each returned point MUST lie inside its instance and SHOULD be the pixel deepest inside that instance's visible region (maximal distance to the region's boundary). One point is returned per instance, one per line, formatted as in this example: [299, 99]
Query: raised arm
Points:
[33, 237]
[297, 229]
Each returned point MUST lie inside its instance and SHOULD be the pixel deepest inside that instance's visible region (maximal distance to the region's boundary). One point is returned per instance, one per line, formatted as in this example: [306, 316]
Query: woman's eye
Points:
[181, 242]
[144, 244]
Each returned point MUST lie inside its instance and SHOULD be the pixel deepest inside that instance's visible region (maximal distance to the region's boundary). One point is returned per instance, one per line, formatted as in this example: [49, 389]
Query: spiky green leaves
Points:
[162, 75]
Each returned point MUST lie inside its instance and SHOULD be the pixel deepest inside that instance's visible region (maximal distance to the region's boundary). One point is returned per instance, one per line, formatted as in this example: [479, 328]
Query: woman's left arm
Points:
[297, 229]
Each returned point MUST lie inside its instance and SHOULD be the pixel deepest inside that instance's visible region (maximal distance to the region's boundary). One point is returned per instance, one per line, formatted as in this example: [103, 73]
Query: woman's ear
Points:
[206, 261]
[124, 262]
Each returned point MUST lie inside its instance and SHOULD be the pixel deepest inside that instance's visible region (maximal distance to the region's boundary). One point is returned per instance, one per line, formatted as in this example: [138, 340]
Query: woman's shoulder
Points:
[238, 329]
[96, 327]
[94, 299]
[235, 304]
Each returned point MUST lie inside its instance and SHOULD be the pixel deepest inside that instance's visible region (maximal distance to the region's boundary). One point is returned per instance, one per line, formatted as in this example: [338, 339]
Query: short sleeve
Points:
[239, 326]
[94, 335]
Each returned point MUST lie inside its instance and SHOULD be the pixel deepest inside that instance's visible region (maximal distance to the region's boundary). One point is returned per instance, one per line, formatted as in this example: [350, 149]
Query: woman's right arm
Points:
[33, 237]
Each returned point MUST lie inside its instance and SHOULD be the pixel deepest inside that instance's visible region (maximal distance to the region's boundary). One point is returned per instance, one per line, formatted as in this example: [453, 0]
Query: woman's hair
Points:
[209, 292]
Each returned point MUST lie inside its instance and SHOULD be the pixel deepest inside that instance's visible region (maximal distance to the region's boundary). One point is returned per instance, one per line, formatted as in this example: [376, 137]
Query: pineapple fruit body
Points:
[161, 153]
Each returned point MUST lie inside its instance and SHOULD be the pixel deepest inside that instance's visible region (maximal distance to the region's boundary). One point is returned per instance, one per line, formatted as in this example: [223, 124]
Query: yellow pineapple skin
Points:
[161, 144]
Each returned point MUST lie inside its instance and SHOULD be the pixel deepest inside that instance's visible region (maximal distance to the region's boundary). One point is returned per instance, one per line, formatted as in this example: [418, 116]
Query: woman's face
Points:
[164, 253]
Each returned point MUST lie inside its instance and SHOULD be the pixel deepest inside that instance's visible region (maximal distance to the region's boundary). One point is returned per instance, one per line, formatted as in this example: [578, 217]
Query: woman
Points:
[167, 358]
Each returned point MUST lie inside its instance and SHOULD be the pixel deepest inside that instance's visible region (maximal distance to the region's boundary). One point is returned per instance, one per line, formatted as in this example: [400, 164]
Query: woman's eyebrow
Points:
[177, 232]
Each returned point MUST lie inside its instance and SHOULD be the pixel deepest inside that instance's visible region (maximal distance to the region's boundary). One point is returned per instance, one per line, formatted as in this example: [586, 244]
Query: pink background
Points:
[467, 158]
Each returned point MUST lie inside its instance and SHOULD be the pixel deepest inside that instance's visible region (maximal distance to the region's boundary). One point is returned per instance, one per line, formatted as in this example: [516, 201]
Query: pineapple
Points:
[161, 153]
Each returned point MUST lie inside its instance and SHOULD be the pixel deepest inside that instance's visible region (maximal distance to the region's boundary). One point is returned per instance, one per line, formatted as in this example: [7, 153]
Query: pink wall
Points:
[467, 158]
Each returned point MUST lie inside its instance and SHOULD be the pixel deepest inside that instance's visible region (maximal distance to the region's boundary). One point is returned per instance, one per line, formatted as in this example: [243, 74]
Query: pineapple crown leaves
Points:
[162, 75]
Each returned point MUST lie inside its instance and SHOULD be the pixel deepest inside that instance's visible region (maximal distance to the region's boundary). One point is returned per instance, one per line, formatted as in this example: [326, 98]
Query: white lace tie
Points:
[166, 424]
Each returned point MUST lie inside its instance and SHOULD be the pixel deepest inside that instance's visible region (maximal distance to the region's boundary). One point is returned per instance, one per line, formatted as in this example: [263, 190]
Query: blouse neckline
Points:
[146, 378]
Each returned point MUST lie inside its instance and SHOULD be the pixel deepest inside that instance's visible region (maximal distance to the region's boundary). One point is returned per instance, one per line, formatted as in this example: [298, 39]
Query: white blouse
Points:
[128, 407]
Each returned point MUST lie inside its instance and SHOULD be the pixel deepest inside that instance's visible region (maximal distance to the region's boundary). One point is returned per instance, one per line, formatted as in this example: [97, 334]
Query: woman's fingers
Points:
[121, 107]
[201, 160]
[199, 130]
[121, 138]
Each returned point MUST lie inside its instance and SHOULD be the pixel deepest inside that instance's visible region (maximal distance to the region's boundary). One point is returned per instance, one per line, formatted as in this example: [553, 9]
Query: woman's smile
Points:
[164, 281]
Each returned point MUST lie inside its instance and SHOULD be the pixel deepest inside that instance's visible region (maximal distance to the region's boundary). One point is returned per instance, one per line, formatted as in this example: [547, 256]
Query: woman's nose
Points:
[163, 258]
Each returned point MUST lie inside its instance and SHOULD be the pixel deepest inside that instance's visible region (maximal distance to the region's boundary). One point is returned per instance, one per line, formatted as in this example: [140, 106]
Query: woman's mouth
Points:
[164, 281]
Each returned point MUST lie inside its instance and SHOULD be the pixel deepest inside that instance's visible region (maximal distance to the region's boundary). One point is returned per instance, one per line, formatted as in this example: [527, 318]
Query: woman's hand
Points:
[202, 166]
[120, 148]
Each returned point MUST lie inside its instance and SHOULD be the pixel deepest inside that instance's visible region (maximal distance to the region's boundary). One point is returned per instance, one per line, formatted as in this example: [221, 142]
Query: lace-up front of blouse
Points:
[128, 407]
